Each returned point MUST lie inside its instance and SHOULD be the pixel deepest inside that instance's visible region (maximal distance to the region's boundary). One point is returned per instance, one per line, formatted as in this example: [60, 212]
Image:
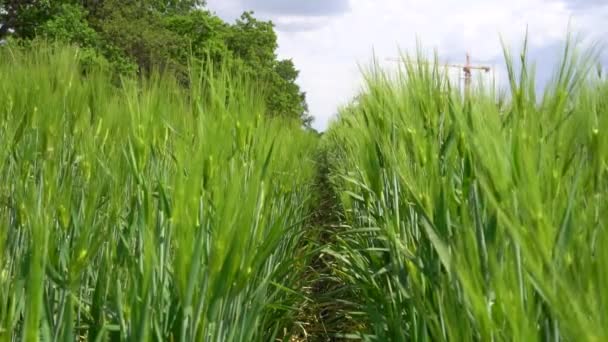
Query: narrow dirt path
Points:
[325, 317]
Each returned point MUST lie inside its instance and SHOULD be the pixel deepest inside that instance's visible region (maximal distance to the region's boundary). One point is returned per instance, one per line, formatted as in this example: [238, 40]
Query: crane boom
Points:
[466, 68]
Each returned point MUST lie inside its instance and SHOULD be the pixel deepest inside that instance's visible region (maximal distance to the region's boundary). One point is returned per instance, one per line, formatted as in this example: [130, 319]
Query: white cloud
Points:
[328, 49]
[300, 23]
[308, 7]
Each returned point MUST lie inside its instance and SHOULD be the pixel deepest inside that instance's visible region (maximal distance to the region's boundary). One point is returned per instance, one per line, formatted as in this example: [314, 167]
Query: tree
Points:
[178, 6]
[204, 35]
[255, 42]
[142, 35]
[163, 6]
[69, 24]
[137, 29]
[286, 99]
[23, 16]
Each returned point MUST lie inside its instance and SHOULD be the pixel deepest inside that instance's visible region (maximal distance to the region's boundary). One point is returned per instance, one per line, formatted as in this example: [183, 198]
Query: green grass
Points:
[145, 211]
[154, 210]
[481, 218]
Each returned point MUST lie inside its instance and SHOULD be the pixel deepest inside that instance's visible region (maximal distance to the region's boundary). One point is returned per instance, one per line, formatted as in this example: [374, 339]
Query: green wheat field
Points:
[160, 209]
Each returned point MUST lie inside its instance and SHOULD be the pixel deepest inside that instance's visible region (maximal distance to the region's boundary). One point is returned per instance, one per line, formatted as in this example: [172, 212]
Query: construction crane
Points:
[466, 68]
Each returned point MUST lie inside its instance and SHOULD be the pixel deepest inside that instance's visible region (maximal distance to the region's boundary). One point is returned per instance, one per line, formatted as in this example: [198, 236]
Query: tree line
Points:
[139, 36]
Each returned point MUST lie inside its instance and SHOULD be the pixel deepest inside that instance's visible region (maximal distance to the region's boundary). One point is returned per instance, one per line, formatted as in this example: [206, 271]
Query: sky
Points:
[330, 41]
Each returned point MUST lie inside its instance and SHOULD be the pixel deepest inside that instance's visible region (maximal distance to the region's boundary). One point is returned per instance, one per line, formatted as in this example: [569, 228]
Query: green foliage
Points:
[177, 6]
[285, 98]
[202, 34]
[146, 212]
[472, 220]
[23, 16]
[69, 24]
[171, 210]
[255, 43]
[157, 34]
[138, 31]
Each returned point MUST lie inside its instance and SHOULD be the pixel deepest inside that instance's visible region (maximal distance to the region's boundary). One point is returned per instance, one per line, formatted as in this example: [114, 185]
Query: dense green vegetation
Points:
[139, 36]
[475, 219]
[146, 211]
[158, 185]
